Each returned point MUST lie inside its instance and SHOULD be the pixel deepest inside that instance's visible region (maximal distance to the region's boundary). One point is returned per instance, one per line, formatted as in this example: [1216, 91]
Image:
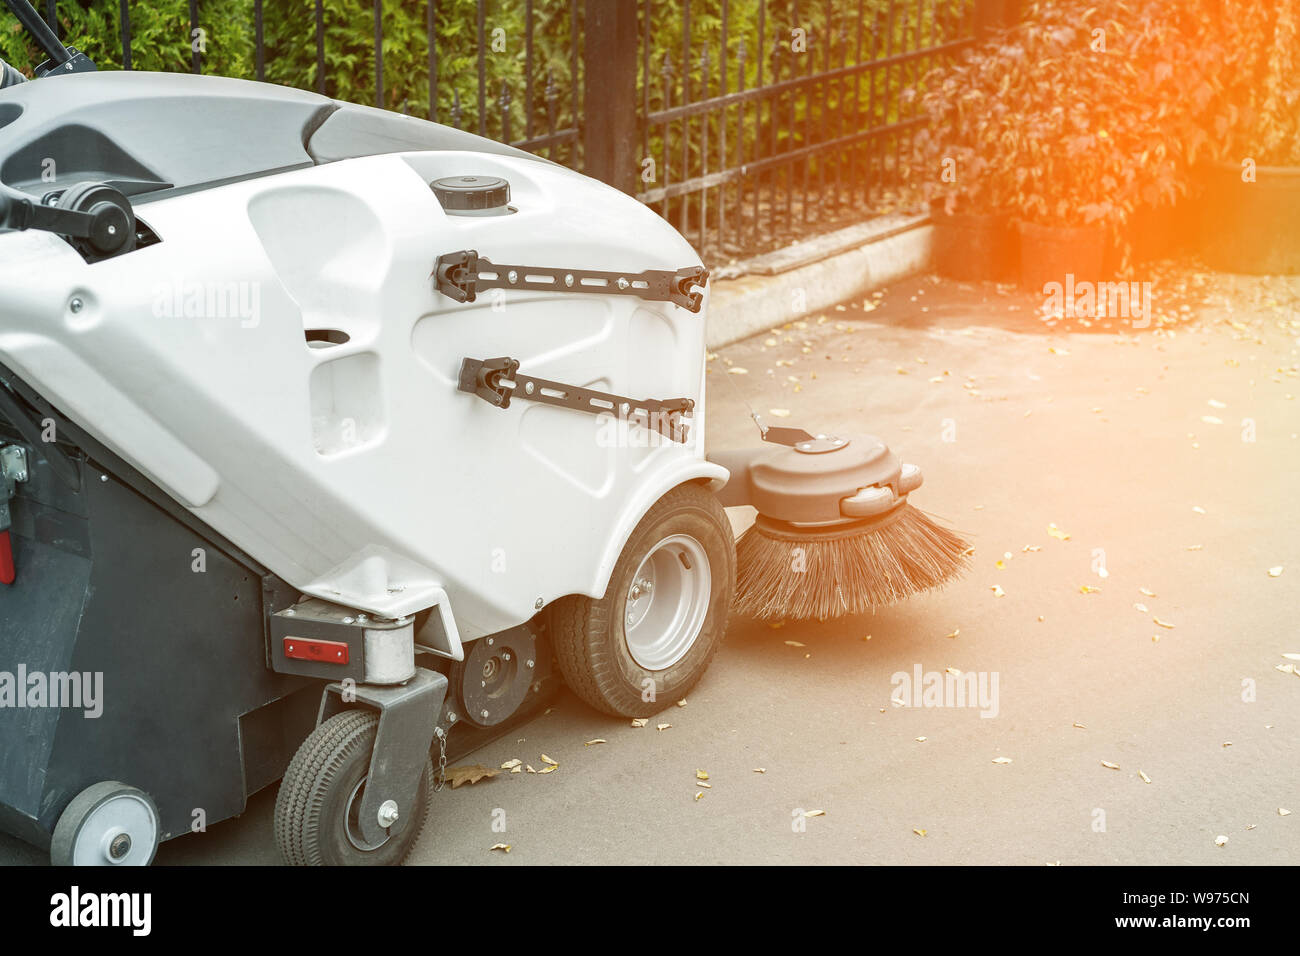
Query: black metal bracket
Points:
[797, 438]
[407, 716]
[461, 275]
[497, 380]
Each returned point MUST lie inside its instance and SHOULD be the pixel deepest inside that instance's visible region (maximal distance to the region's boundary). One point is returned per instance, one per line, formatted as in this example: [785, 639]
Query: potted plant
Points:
[1251, 208]
[1068, 128]
[950, 168]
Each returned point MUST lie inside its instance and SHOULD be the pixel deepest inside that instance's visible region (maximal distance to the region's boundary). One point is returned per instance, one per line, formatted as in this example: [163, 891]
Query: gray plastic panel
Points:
[190, 131]
[355, 131]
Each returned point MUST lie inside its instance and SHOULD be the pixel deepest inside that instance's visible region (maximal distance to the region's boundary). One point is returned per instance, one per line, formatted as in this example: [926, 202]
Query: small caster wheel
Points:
[664, 612]
[107, 824]
[317, 809]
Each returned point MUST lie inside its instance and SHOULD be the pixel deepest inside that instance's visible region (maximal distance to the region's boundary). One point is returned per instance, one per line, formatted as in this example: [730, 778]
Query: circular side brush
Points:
[835, 534]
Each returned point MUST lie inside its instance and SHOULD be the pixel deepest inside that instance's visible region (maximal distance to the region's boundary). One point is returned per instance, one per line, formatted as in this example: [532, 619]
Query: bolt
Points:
[348, 620]
[568, 280]
[512, 275]
[630, 618]
[289, 612]
[103, 477]
[505, 656]
[76, 306]
[120, 846]
[530, 663]
[388, 813]
[361, 618]
[451, 717]
[538, 604]
[483, 714]
[623, 283]
[21, 476]
[491, 641]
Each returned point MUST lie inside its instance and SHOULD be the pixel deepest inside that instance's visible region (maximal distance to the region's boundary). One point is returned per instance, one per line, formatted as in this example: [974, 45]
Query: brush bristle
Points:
[791, 574]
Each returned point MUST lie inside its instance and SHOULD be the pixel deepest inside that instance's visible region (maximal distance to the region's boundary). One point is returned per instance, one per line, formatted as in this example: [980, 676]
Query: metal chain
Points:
[442, 759]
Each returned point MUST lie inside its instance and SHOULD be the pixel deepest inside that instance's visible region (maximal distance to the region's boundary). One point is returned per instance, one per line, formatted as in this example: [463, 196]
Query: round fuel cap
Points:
[471, 192]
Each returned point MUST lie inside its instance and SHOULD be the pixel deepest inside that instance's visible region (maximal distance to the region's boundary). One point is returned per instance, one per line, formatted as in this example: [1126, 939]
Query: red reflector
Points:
[6, 559]
[329, 652]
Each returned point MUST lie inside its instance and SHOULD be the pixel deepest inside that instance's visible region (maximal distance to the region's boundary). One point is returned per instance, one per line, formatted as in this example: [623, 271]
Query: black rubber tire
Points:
[588, 634]
[311, 807]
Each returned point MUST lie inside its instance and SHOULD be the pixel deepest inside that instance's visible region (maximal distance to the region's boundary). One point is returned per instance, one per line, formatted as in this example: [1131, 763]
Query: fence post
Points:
[609, 92]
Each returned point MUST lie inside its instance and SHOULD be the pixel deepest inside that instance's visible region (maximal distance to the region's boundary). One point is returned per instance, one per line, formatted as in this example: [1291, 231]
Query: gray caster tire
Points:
[315, 811]
[107, 824]
[649, 640]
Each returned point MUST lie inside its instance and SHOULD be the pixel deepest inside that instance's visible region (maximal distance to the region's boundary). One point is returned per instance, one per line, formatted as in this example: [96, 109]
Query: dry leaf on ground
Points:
[469, 774]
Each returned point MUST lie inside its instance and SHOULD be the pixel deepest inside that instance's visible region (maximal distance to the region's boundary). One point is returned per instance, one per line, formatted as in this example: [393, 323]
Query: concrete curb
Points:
[739, 307]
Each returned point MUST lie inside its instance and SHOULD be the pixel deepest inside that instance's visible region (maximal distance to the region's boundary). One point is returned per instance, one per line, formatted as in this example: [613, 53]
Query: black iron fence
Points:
[746, 123]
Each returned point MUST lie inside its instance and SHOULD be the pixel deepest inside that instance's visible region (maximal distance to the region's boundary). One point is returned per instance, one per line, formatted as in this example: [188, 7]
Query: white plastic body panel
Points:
[357, 471]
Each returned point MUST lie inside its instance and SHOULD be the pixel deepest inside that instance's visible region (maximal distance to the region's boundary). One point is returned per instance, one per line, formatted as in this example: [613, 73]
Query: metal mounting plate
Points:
[497, 381]
[460, 276]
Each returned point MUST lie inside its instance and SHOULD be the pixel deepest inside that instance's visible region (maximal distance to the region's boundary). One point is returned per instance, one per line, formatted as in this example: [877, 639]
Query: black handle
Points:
[40, 31]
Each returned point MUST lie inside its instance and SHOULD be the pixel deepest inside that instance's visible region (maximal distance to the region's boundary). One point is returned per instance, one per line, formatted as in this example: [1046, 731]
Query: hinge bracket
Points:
[497, 381]
[462, 275]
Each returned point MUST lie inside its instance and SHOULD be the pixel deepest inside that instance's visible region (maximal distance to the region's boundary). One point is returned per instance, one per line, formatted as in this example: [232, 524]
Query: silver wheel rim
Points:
[352, 822]
[667, 602]
[121, 831]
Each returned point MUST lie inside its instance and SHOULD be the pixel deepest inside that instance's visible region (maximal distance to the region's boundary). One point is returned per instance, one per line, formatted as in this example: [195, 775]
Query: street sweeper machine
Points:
[330, 439]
